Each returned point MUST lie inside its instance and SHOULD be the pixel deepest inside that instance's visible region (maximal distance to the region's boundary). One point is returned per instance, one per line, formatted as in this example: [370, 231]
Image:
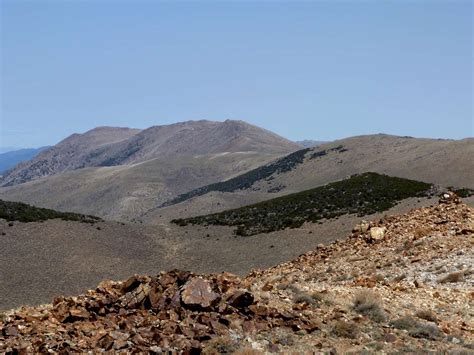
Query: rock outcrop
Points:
[410, 290]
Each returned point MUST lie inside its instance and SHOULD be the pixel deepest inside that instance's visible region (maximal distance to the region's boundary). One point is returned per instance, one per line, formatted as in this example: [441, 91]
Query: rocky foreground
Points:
[402, 283]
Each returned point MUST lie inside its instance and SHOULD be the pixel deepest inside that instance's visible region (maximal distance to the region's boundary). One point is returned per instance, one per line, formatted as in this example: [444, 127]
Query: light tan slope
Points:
[113, 146]
[443, 162]
[127, 191]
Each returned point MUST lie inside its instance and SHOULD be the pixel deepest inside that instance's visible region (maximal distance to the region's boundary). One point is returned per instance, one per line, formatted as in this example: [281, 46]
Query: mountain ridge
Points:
[111, 146]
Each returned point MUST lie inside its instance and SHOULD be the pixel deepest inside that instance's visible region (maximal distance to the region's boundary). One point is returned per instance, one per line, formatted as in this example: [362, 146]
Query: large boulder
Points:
[198, 292]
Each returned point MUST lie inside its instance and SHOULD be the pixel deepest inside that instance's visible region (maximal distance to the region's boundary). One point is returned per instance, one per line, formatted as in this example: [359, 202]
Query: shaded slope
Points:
[75, 152]
[10, 159]
[21, 212]
[360, 194]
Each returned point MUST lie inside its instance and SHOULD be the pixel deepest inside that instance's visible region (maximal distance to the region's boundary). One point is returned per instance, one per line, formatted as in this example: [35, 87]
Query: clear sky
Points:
[306, 70]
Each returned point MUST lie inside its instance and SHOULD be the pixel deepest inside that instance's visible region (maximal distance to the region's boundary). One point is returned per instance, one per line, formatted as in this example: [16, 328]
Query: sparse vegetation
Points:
[421, 231]
[464, 192]
[17, 211]
[246, 180]
[221, 345]
[360, 194]
[366, 303]
[345, 329]
[322, 153]
[427, 315]
[457, 276]
[416, 329]
[303, 297]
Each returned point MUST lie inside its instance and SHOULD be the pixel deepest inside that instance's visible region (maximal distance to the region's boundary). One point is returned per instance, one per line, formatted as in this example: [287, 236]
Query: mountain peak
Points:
[108, 146]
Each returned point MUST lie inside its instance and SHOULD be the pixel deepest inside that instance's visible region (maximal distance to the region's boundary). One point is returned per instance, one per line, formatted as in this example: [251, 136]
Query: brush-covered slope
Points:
[108, 146]
[406, 292]
[360, 194]
[442, 162]
[21, 212]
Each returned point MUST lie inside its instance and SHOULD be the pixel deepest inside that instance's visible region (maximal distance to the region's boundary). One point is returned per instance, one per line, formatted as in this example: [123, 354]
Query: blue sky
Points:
[315, 70]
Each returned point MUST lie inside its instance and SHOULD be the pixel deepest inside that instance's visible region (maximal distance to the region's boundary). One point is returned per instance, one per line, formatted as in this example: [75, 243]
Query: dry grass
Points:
[247, 351]
[303, 297]
[221, 345]
[345, 329]
[457, 276]
[368, 304]
[421, 231]
[427, 315]
[416, 329]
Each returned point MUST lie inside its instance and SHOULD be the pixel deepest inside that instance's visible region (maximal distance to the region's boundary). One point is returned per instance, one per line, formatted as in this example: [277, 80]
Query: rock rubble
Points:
[401, 283]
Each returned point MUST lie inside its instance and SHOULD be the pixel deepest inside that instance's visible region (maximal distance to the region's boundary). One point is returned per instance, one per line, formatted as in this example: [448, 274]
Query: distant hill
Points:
[125, 192]
[363, 194]
[76, 151]
[9, 159]
[9, 149]
[442, 162]
[110, 146]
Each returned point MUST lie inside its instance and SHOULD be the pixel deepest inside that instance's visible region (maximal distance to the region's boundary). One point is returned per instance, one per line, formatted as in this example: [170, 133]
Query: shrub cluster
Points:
[17, 211]
[360, 194]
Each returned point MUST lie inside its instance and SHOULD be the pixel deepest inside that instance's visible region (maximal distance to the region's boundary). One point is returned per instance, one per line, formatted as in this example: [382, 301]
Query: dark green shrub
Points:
[22, 212]
[360, 194]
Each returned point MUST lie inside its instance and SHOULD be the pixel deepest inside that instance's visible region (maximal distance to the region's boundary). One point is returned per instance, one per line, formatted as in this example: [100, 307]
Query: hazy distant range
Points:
[10, 157]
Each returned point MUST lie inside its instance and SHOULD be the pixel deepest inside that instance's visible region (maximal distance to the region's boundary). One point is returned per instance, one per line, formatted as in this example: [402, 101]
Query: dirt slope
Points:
[127, 191]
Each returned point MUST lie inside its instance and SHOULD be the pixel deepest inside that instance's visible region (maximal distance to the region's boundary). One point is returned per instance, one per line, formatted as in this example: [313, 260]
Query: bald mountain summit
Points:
[112, 146]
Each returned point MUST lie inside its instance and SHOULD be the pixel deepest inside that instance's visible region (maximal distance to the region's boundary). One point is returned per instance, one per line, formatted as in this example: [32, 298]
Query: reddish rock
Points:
[198, 292]
[240, 299]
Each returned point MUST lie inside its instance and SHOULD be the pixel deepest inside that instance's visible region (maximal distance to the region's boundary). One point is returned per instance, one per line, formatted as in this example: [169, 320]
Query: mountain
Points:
[72, 153]
[110, 146]
[397, 284]
[9, 149]
[9, 159]
[441, 162]
[121, 173]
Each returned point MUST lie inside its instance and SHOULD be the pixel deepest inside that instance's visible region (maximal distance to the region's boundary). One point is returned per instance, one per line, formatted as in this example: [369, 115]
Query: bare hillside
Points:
[75, 152]
[125, 192]
[107, 146]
